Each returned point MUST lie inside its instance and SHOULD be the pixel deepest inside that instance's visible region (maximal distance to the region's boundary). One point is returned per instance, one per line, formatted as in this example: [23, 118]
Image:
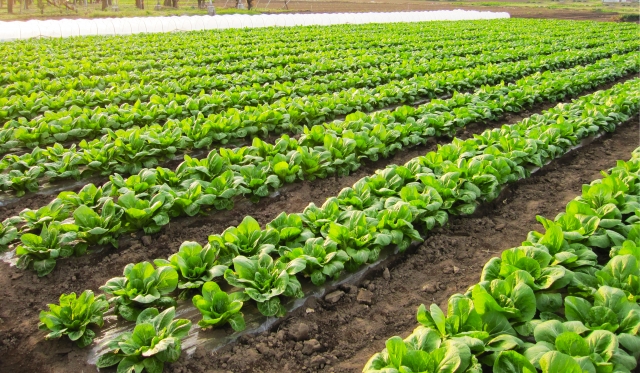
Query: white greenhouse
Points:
[125, 26]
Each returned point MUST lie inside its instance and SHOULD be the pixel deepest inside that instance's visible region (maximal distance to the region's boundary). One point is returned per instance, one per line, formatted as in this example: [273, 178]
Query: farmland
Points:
[326, 190]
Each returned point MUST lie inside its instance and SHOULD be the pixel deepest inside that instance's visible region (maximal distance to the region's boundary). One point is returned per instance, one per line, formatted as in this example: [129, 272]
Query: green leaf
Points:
[270, 307]
[153, 365]
[512, 362]
[548, 331]
[576, 309]
[143, 334]
[572, 344]
[397, 350]
[44, 267]
[602, 342]
[162, 345]
[130, 365]
[237, 322]
[555, 362]
[439, 318]
[167, 279]
[548, 302]
[108, 359]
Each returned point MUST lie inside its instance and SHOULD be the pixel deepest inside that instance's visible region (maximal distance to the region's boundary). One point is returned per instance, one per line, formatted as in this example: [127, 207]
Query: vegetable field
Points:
[457, 197]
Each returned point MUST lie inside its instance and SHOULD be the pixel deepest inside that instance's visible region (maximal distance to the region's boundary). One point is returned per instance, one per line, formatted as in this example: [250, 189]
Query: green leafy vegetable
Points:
[219, 308]
[194, 264]
[155, 340]
[41, 252]
[264, 280]
[141, 287]
[73, 316]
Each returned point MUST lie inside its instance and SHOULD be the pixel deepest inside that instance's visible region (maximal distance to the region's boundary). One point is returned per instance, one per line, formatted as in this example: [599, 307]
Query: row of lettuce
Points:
[150, 199]
[547, 305]
[385, 209]
[203, 119]
[133, 54]
[273, 47]
[342, 142]
[271, 69]
[73, 57]
[248, 72]
[264, 86]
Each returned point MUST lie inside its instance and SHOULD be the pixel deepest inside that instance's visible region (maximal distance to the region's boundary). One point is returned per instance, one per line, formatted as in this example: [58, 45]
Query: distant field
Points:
[589, 9]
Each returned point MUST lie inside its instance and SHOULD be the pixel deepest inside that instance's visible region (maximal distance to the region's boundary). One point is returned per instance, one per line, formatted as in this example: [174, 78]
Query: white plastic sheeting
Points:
[126, 26]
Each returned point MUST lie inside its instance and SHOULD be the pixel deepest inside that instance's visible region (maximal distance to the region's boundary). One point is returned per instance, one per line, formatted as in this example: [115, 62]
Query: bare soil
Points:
[414, 5]
[348, 332]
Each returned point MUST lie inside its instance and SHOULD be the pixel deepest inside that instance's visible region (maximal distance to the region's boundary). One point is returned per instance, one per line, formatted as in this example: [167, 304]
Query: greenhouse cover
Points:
[124, 26]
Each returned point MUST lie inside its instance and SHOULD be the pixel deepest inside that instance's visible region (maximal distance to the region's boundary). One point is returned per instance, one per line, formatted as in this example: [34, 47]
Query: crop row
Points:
[237, 92]
[151, 198]
[259, 87]
[270, 69]
[547, 305]
[325, 149]
[134, 147]
[246, 73]
[350, 230]
[223, 45]
[193, 79]
[260, 54]
[78, 123]
[51, 58]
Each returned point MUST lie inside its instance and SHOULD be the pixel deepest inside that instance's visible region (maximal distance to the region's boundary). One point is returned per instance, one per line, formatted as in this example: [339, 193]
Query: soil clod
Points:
[430, 288]
[365, 297]
[299, 332]
[334, 297]
[311, 346]
[386, 274]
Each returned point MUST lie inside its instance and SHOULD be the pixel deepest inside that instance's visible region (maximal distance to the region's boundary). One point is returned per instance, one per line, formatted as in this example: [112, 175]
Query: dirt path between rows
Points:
[347, 331]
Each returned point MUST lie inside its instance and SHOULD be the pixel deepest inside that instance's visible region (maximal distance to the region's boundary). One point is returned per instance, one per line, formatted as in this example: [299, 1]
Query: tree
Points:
[10, 6]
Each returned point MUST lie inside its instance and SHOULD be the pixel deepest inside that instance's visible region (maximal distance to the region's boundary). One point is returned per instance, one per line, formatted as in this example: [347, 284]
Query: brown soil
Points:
[348, 6]
[349, 332]
[412, 5]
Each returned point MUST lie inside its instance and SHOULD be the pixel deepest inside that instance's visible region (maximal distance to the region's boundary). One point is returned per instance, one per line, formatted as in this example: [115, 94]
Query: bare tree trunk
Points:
[105, 4]
[175, 4]
[10, 6]
[250, 4]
